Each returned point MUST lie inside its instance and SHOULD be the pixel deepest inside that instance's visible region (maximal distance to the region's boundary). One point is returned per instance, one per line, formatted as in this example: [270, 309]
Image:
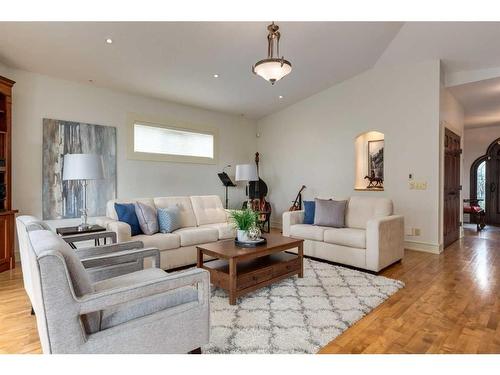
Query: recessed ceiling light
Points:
[281, 96]
[216, 76]
[109, 41]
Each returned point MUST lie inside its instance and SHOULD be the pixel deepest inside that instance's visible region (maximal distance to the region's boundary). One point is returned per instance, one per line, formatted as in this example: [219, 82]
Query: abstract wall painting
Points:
[64, 199]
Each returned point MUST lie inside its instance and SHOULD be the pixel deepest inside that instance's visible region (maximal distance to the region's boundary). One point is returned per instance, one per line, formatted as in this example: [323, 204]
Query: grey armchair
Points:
[146, 311]
[126, 257]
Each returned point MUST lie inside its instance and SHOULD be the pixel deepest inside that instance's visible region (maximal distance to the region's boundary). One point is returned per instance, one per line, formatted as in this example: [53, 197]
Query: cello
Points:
[257, 194]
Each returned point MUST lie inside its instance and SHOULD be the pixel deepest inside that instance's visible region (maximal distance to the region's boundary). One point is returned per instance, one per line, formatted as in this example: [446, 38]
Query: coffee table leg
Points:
[232, 281]
[301, 258]
[199, 258]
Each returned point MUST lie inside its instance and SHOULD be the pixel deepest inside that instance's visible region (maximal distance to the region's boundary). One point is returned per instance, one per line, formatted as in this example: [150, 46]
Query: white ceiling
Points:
[481, 102]
[176, 60]
[461, 46]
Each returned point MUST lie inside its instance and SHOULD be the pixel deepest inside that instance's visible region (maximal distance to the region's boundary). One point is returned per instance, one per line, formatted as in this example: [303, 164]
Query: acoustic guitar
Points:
[297, 203]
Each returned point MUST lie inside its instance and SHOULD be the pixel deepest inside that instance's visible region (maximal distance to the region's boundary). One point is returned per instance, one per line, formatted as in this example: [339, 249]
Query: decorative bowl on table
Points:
[250, 243]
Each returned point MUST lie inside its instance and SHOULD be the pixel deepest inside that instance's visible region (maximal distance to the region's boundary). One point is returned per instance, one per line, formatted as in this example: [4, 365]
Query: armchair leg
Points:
[195, 351]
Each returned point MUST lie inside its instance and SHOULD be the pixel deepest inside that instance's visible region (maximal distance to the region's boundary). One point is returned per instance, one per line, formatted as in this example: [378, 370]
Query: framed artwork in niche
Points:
[376, 159]
[64, 199]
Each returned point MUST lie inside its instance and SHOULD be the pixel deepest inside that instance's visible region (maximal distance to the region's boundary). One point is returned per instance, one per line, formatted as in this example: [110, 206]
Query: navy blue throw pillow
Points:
[126, 213]
[309, 207]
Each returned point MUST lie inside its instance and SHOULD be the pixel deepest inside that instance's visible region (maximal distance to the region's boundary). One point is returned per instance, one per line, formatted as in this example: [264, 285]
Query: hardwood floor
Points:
[451, 304]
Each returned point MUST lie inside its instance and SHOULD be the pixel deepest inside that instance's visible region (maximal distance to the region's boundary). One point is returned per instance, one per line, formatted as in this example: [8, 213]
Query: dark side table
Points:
[95, 232]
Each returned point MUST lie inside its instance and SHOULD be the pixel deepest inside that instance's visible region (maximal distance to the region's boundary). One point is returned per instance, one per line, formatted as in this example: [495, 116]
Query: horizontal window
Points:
[155, 141]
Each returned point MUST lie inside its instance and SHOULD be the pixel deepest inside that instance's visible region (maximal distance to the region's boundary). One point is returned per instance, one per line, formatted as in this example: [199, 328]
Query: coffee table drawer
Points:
[254, 278]
[284, 268]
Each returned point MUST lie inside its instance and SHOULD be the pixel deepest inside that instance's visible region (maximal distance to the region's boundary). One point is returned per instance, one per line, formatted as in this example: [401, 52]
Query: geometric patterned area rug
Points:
[296, 315]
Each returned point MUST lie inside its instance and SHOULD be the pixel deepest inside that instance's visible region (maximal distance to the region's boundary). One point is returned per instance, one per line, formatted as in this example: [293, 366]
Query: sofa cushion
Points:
[160, 241]
[226, 230]
[121, 314]
[329, 213]
[350, 237]
[126, 214]
[195, 236]
[208, 209]
[110, 205]
[186, 213]
[362, 209]
[169, 219]
[309, 209]
[129, 279]
[146, 215]
[306, 231]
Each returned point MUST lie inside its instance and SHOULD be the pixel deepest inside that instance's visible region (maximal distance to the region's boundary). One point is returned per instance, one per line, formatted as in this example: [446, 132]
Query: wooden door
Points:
[452, 206]
[492, 207]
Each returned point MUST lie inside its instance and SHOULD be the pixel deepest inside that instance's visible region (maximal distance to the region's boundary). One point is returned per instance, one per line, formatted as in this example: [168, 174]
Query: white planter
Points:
[242, 235]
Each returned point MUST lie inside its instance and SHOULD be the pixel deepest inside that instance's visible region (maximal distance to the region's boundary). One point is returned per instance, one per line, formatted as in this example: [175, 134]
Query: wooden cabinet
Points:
[7, 214]
[7, 241]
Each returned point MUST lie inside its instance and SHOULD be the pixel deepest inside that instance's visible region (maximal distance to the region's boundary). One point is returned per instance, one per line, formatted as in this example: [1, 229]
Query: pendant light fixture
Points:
[273, 68]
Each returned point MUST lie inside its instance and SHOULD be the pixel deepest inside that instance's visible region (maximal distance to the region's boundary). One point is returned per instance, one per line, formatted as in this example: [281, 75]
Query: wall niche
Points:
[369, 163]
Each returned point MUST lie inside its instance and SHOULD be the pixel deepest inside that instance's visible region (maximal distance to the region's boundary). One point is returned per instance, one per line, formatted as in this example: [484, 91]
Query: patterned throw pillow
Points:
[168, 219]
[148, 220]
[126, 213]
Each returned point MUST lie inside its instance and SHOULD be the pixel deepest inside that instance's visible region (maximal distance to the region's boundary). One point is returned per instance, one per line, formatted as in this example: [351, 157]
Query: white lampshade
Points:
[83, 167]
[246, 172]
[272, 70]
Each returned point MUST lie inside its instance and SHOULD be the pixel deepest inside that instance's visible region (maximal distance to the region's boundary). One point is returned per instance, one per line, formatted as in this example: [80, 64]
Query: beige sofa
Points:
[372, 240]
[203, 220]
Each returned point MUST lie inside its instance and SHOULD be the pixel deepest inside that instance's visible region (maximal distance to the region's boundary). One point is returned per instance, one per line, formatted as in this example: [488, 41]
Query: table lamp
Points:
[247, 172]
[83, 167]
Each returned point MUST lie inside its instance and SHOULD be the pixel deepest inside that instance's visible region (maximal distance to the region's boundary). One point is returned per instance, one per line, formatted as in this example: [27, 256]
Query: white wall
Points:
[4, 71]
[312, 143]
[36, 97]
[476, 142]
[451, 116]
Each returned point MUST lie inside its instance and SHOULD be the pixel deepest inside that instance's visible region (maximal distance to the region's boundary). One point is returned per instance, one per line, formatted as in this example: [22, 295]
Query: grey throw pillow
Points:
[329, 213]
[147, 218]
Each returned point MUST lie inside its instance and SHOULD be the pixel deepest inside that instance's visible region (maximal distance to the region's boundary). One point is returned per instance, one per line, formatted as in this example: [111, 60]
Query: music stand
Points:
[226, 181]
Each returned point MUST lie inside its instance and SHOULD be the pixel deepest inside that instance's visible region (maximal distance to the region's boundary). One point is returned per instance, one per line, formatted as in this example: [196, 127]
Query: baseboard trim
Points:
[423, 246]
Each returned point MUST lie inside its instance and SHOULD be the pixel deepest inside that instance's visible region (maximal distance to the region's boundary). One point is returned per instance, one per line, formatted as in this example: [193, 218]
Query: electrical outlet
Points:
[415, 185]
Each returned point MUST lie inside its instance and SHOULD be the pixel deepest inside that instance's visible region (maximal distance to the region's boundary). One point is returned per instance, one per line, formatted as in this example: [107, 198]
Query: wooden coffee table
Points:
[242, 270]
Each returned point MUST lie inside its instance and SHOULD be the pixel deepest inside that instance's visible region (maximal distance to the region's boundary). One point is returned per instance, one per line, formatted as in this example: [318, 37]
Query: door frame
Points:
[488, 182]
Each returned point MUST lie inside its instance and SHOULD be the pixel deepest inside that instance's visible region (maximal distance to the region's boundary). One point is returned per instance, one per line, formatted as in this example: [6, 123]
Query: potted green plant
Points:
[244, 220]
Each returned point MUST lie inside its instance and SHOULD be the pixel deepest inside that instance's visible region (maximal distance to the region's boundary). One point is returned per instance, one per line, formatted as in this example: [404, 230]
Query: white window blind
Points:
[152, 139]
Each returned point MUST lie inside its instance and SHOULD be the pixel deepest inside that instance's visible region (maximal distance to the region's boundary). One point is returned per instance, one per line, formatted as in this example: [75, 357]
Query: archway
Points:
[485, 182]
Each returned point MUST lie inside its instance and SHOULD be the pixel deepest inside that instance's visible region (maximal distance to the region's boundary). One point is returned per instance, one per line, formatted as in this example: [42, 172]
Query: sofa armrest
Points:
[113, 297]
[120, 257]
[384, 241]
[122, 230]
[291, 218]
